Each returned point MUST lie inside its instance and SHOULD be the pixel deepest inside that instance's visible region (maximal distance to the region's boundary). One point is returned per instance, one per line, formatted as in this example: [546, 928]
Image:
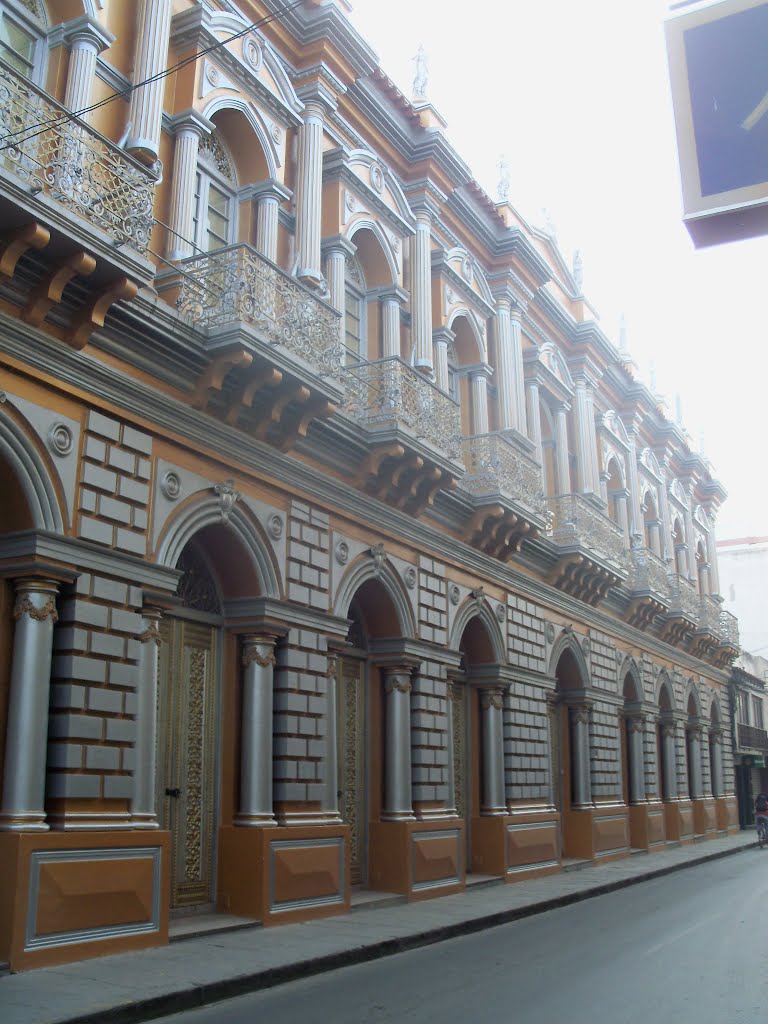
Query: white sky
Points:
[576, 94]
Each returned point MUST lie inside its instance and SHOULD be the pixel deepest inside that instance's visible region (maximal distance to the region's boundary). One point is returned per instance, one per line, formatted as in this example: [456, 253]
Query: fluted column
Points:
[668, 552]
[442, 338]
[188, 128]
[491, 711]
[636, 514]
[693, 736]
[258, 663]
[268, 195]
[478, 381]
[580, 755]
[636, 758]
[421, 294]
[690, 540]
[331, 801]
[714, 572]
[398, 801]
[146, 109]
[336, 251]
[516, 360]
[669, 740]
[504, 366]
[23, 798]
[622, 514]
[562, 466]
[309, 194]
[143, 809]
[390, 323]
[586, 441]
[716, 746]
[86, 39]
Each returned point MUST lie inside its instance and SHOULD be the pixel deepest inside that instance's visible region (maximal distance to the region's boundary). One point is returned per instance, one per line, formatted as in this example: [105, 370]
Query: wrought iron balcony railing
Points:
[53, 153]
[578, 521]
[709, 615]
[496, 465]
[648, 573]
[238, 284]
[729, 629]
[684, 598]
[752, 738]
[388, 394]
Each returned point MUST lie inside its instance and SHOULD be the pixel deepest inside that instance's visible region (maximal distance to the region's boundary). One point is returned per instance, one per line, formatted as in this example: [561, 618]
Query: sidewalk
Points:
[140, 986]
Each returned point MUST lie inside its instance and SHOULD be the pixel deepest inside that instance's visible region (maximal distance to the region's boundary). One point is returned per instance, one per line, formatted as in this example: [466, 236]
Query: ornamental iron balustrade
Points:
[577, 521]
[729, 629]
[387, 393]
[647, 572]
[684, 598]
[752, 738]
[238, 284]
[55, 153]
[709, 615]
[495, 465]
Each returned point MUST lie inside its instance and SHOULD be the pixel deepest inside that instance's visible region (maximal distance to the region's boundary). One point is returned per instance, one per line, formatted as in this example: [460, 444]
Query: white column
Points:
[331, 801]
[690, 539]
[491, 711]
[336, 251]
[390, 324]
[421, 294]
[580, 756]
[504, 366]
[309, 185]
[146, 110]
[714, 573]
[586, 441]
[268, 195]
[23, 798]
[517, 382]
[534, 425]
[622, 514]
[189, 128]
[668, 549]
[562, 465]
[143, 809]
[592, 437]
[86, 40]
[258, 662]
[398, 802]
[478, 381]
[636, 524]
[442, 338]
[636, 758]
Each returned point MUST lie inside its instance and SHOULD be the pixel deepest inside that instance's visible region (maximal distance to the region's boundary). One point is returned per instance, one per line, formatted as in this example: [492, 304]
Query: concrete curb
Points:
[149, 1009]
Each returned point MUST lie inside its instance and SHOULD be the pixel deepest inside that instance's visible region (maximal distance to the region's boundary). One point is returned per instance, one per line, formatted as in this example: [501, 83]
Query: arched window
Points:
[214, 216]
[355, 327]
[22, 39]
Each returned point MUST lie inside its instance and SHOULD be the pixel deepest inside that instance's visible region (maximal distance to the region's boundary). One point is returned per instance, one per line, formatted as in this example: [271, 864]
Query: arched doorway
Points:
[571, 757]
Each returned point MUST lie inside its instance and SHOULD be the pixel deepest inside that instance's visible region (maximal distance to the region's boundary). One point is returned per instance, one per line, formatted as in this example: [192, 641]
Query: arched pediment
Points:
[472, 608]
[476, 326]
[379, 180]
[367, 568]
[471, 273]
[677, 492]
[34, 476]
[613, 424]
[692, 698]
[569, 641]
[255, 120]
[629, 667]
[552, 359]
[612, 458]
[369, 224]
[664, 687]
[649, 461]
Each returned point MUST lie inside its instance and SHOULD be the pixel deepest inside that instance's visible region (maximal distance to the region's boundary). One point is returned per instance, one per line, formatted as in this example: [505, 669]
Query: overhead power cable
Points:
[41, 126]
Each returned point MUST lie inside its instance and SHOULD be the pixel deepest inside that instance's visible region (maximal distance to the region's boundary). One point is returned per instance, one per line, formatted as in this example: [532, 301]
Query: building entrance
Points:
[186, 763]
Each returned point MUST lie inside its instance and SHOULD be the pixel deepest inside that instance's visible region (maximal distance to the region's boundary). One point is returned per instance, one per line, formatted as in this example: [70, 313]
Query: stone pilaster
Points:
[143, 809]
[336, 251]
[188, 128]
[86, 40]
[390, 322]
[693, 739]
[23, 797]
[309, 184]
[493, 800]
[151, 57]
[562, 466]
[258, 662]
[331, 802]
[398, 804]
[268, 195]
[478, 382]
[442, 337]
[669, 743]
[580, 754]
[421, 305]
[635, 725]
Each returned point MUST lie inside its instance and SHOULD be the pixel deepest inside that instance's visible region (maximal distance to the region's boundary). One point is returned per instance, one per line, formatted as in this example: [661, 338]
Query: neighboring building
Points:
[302, 600]
[750, 753]
[744, 575]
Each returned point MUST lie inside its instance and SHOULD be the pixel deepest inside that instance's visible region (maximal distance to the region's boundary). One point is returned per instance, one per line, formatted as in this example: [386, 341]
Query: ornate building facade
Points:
[340, 547]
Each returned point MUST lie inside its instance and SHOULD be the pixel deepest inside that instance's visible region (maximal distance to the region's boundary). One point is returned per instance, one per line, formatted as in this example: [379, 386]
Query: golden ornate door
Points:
[350, 733]
[186, 756]
[458, 717]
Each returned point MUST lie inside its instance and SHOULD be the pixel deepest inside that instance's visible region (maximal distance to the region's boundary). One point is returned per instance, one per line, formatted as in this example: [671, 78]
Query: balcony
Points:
[590, 546]
[706, 639]
[751, 738]
[413, 429]
[273, 345]
[648, 587]
[684, 610]
[729, 639]
[504, 481]
[70, 181]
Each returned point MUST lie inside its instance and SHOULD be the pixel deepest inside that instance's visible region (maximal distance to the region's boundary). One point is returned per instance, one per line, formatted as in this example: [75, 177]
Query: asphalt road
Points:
[689, 947]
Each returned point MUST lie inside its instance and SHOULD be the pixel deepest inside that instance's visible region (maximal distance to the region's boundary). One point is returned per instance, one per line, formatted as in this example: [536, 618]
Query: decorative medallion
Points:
[170, 485]
[378, 554]
[377, 178]
[228, 497]
[454, 594]
[450, 298]
[410, 577]
[501, 612]
[396, 244]
[350, 202]
[276, 132]
[549, 632]
[466, 269]
[212, 74]
[252, 53]
[341, 552]
[60, 439]
[275, 526]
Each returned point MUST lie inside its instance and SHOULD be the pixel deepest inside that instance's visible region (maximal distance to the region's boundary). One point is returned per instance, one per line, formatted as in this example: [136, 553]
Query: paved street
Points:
[686, 947]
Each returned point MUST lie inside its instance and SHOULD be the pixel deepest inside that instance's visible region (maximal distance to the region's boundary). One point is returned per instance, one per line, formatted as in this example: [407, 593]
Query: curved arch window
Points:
[215, 193]
[354, 313]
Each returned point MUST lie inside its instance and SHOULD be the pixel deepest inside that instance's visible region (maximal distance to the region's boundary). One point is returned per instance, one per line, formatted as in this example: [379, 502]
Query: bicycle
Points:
[762, 831]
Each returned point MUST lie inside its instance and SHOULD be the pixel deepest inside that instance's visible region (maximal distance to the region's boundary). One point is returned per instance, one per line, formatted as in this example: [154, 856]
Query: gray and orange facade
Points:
[339, 546]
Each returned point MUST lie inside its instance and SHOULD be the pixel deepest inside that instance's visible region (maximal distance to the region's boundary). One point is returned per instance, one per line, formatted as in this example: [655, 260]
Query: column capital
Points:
[270, 188]
[580, 713]
[44, 608]
[397, 678]
[81, 30]
[151, 632]
[392, 293]
[318, 99]
[191, 121]
[442, 335]
[258, 648]
[492, 697]
[337, 244]
[635, 722]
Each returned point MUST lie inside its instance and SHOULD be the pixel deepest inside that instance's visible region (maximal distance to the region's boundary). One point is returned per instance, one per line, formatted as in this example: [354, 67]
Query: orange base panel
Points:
[596, 833]
[647, 827]
[516, 846]
[419, 859]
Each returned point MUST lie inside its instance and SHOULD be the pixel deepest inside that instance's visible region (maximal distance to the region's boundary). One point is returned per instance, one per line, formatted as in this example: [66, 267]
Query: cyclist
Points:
[761, 814]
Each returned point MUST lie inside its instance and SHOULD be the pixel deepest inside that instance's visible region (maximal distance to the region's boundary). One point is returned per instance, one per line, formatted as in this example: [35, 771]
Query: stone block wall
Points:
[605, 742]
[527, 751]
[433, 601]
[525, 634]
[308, 556]
[429, 729]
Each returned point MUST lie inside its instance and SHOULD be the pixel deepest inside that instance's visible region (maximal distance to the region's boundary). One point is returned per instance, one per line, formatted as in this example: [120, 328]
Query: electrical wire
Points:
[41, 126]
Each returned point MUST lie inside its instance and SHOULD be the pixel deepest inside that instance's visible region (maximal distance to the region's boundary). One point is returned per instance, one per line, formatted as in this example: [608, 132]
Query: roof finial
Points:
[578, 270]
[504, 180]
[422, 74]
[623, 348]
[549, 224]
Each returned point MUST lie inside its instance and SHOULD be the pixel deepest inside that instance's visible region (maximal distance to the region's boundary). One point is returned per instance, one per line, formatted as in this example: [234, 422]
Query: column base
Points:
[312, 278]
[679, 821]
[704, 818]
[419, 859]
[600, 832]
[80, 895]
[255, 821]
[727, 814]
[284, 874]
[647, 829]
[23, 823]
[520, 844]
